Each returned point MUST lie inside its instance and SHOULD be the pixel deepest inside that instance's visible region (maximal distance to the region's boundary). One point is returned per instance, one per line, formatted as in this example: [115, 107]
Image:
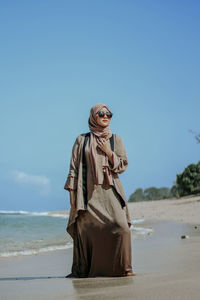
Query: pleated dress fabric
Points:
[101, 235]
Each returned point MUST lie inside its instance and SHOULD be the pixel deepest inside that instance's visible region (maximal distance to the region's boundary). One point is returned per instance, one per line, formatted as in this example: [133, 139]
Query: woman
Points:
[99, 219]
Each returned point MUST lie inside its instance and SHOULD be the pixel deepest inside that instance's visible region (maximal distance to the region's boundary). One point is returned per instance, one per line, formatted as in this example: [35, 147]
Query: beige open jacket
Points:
[74, 178]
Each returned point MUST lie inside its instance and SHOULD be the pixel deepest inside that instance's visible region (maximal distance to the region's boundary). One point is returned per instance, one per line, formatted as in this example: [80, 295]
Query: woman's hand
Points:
[104, 145]
[72, 200]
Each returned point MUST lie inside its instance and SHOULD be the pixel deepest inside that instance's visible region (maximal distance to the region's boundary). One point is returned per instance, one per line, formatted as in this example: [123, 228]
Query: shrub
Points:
[188, 182]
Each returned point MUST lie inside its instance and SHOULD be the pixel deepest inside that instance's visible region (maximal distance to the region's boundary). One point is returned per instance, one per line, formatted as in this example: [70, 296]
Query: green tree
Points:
[138, 195]
[188, 182]
[154, 193]
[164, 192]
[174, 191]
[151, 193]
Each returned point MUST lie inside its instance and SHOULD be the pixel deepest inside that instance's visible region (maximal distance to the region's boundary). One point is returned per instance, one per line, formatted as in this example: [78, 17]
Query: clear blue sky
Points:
[59, 58]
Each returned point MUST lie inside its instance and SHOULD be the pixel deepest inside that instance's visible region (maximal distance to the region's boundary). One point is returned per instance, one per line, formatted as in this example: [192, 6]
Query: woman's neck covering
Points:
[98, 159]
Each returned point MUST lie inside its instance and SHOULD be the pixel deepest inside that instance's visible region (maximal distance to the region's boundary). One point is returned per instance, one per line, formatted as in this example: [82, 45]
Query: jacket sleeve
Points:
[119, 157]
[71, 182]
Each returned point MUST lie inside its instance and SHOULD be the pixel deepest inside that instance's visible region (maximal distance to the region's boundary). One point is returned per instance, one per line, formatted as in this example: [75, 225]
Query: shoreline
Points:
[138, 228]
[185, 210]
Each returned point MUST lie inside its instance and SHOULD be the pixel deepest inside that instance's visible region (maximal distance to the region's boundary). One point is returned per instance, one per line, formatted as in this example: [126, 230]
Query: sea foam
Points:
[34, 213]
[35, 251]
[140, 230]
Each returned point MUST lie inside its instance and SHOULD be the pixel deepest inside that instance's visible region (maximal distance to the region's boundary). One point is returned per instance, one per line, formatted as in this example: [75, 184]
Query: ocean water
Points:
[26, 233]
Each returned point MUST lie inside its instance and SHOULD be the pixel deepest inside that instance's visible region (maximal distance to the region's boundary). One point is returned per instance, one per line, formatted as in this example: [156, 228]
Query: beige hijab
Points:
[98, 159]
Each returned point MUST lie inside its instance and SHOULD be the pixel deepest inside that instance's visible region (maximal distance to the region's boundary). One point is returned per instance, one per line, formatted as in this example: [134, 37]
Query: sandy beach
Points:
[184, 210]
[167, 266]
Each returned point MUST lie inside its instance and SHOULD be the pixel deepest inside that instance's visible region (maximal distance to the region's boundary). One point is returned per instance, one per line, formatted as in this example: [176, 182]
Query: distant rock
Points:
[184, 237]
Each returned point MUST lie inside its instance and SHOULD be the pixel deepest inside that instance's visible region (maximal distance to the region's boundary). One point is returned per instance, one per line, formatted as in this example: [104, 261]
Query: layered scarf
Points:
[98, 158]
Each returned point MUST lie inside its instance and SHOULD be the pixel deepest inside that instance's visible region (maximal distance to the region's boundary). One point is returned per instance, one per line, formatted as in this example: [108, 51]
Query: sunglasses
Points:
[108, 114]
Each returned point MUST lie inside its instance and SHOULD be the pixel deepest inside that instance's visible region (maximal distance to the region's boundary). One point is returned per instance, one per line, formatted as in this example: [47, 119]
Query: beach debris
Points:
[184, 236]
[195, 227]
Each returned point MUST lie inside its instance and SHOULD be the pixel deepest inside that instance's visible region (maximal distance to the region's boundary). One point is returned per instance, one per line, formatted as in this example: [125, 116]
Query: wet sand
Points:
[167, 266]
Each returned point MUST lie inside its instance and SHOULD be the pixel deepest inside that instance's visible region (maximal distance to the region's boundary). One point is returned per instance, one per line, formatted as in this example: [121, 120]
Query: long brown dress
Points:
[101, 234]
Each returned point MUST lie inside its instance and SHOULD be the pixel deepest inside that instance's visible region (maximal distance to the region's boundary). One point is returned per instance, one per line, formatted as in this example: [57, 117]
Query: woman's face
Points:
[104, 121]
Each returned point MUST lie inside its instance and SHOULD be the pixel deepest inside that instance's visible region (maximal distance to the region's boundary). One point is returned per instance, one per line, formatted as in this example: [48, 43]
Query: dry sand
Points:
[167, 266]
[184, 210]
